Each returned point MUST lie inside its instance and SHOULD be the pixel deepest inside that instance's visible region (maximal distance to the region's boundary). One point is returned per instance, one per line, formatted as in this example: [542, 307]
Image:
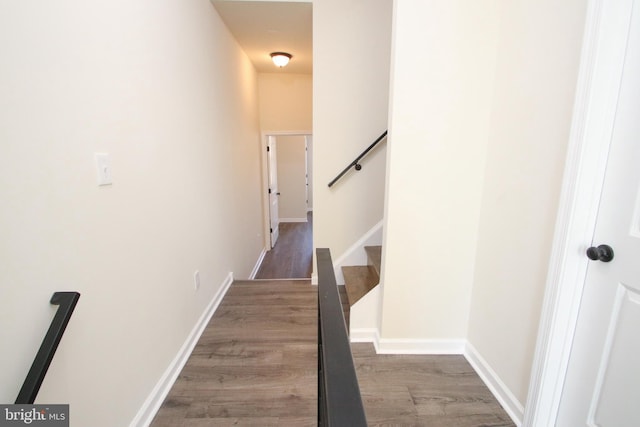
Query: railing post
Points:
[339, 399]
[66, 302]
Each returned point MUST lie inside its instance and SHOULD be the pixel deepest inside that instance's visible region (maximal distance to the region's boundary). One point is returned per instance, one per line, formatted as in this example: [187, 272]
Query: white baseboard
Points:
[406, 346]
[511, 405]
[257, 266]
[419, 346]
[364, 335]
[152, 404]
[314, 279]
[293, 219]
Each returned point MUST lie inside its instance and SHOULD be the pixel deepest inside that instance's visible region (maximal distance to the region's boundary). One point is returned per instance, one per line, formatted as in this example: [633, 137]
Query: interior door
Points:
[602, 386]
[309, 172]
[274, 216]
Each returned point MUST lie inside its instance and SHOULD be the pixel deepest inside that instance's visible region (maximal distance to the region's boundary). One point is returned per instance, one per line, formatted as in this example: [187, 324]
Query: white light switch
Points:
[196, 280]
[103, 165]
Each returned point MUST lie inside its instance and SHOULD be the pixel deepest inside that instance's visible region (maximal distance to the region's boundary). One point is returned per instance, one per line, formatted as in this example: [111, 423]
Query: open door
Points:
[602, 385]
[272, 164]
[586, 371]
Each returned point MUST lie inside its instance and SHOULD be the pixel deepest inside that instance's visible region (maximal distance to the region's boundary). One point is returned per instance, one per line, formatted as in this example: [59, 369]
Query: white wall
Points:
[443, 58]
[531, 114]
[351, 80]
[163, 88]
[285, 105]
[482, 97]
[285, 101]
[292, 202]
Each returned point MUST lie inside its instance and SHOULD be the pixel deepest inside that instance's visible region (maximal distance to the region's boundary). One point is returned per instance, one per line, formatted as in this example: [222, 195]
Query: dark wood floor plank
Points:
[292, 255]
[255, 363]
[424, 390]
[358, 281]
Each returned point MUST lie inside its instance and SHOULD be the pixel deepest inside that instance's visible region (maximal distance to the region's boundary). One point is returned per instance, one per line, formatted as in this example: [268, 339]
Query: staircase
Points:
[360, 279]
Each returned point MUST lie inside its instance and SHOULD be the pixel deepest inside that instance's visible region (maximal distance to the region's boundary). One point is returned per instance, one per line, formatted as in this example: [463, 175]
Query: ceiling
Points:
[262, 27]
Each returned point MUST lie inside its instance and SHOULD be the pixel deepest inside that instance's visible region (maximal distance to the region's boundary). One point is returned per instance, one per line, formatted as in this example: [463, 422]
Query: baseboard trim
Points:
[406, 346]
[364, 335]
[511, 405]
[314, 279]
[418, 346]
[152, 404]
[258, 264]
[293, 219]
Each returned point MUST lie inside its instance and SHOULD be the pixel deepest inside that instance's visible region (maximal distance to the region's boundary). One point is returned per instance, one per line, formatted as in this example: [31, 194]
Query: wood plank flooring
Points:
[291, 257]
[256, 363]
[416, 390]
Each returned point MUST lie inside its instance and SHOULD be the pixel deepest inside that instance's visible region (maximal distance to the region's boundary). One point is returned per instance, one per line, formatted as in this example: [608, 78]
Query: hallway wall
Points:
[165, 90]
[285, 106]
[443, 59]
[482, 101]
[523, 176]
[285, 101]
[351, 44]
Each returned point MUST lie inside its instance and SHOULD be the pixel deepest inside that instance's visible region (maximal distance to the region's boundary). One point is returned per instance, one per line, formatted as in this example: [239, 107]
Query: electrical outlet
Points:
[196, 280]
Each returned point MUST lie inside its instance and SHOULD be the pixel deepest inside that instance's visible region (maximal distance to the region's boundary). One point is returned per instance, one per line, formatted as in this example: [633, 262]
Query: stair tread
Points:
[358, 280]
[374, 256]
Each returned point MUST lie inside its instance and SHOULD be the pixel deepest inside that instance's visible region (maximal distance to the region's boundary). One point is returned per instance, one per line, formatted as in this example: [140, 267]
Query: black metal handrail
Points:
[356, 162]
[339, 400]
[66, 302]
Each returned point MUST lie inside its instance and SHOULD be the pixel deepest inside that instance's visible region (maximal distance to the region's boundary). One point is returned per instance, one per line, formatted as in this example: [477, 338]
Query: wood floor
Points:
[416, 390]
[291, 257]
[256, 362]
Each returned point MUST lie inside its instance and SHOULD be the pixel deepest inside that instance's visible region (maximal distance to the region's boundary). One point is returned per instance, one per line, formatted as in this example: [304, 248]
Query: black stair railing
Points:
[339, 400]
[66, 302]
[356, 162]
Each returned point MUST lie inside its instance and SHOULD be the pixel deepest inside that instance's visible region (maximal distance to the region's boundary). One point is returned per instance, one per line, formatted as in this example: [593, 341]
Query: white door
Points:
[602, 386]
[274, 217]
[309, 172]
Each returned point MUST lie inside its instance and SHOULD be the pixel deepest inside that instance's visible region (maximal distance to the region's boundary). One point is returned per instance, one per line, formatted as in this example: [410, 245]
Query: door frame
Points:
[266, 216]
[599, 78]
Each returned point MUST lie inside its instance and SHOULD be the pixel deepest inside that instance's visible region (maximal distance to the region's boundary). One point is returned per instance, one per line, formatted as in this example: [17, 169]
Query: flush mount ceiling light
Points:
[280, 58]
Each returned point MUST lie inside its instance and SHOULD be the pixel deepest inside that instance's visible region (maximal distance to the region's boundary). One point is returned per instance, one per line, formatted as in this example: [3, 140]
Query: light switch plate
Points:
[103, 165]
[196, 280]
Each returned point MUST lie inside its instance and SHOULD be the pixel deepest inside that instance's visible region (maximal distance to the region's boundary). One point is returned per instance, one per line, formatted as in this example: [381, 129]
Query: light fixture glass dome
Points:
[280, 58]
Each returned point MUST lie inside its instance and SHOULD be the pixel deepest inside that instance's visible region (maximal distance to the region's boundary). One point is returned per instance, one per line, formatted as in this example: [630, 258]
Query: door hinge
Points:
[271, 230]
[267, 148]
[269, 191]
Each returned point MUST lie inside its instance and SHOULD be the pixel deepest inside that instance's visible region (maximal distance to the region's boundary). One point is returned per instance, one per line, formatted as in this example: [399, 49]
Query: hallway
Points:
[256, 365]
[291, 257]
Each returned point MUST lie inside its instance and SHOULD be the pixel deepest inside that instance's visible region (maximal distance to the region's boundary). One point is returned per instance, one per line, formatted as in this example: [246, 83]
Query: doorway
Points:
[288, 201]
[607, 91]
